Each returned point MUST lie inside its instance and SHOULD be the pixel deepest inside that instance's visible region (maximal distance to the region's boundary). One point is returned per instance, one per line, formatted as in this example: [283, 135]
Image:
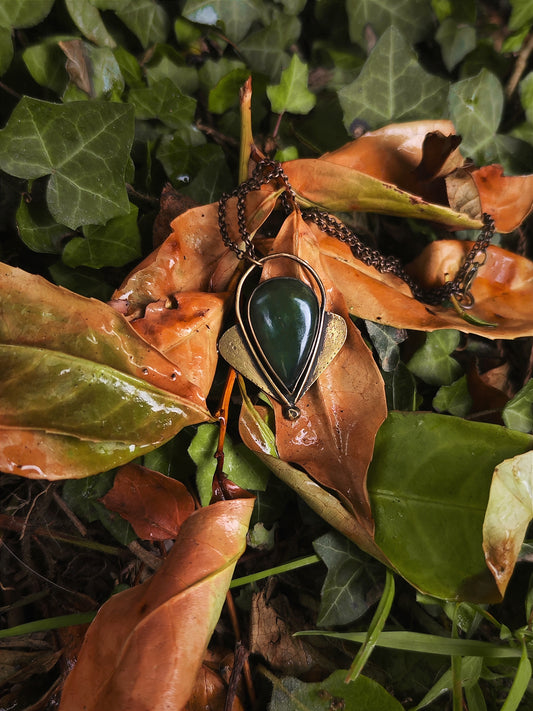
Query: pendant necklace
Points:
[284, 338]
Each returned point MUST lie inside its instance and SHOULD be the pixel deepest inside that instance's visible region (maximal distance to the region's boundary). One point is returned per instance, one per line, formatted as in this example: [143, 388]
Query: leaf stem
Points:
[247, 139]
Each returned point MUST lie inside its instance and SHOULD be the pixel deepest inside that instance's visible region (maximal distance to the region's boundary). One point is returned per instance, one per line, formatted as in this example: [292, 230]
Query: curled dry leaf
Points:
[154, 504]
[502, 289]
[188, 258]
[508, 199]
[412, 155]
[508, 514]
[100, 395]
[334, 436]
[146, 645]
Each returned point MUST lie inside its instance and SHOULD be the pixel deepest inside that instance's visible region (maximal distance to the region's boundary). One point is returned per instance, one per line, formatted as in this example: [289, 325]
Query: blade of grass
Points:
[291, 565]
[429, 644]
[457, 686]
[520, 682]
[49, 623]
[375, 628]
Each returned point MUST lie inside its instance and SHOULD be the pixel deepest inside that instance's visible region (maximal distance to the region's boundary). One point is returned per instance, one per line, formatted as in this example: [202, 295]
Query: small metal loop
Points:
[466, 299]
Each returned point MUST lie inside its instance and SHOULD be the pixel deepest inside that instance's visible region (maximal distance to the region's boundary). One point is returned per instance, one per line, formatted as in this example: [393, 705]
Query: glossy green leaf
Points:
[233, 18]
[84, 147]
[518, 412]
[392, 86]
[38, 229]
[432, 362]
[6, 49]
[147, 20]
[24, 13]
[292, 94]
[429, 499]
[164, 101]
[456, 41]
[454, 398]
[240, 465]
[351, 580]
[114, 244]
[129, 67]
[363, 693]
[264, 50]
[46, 63]
[385, 340]
[59, 393]
[88, 20]
[413, 18]
[106, 78]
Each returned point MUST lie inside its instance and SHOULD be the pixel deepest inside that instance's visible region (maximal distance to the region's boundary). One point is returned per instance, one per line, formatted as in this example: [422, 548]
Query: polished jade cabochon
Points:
[284, 315]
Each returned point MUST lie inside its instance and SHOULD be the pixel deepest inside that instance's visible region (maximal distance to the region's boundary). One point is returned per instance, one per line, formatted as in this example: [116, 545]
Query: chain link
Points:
[268, 171]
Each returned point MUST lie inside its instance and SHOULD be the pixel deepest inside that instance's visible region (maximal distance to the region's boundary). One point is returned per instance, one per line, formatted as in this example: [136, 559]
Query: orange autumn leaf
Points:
[154, 504]
[185, 328]
[507, 198]
[191, 254]
[333, 438]
[411, 155]
[146, 645]
[502, 289]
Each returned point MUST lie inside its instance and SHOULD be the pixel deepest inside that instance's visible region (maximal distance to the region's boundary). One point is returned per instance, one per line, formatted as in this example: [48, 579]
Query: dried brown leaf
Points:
[145, 647]
[154, 504]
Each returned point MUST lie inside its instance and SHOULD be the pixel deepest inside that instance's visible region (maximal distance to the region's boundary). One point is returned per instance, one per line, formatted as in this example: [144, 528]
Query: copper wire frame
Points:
[289, 397]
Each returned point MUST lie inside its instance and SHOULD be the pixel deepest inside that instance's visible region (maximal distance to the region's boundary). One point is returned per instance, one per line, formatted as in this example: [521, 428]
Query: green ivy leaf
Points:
[392, 86]
[45, 61]
[363, 693]
[346, 592]
[24, 13]
[129, 67]
[167, 63]
[292, 94]
[476, 106]
[432, 363]
[521, 15]
[226, 93]
[147, 20]
[38, 229]
[400, 389]
[526, 96]
[264, 50]
[518, 412]
[385, 340]
[236, 18]
[456, 41]
[164, 101]
[454, 398]
[83, 145]
[83, 497]
[413, 18]
[6, 49]
[88, 20]
[240, 464]
[111, 245]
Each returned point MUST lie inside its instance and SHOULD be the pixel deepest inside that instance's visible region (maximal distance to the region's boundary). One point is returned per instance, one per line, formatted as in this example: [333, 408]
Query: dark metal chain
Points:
[269, 170]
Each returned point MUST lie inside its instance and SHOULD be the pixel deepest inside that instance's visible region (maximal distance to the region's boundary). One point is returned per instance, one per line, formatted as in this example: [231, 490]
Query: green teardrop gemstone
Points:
[284, 314]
